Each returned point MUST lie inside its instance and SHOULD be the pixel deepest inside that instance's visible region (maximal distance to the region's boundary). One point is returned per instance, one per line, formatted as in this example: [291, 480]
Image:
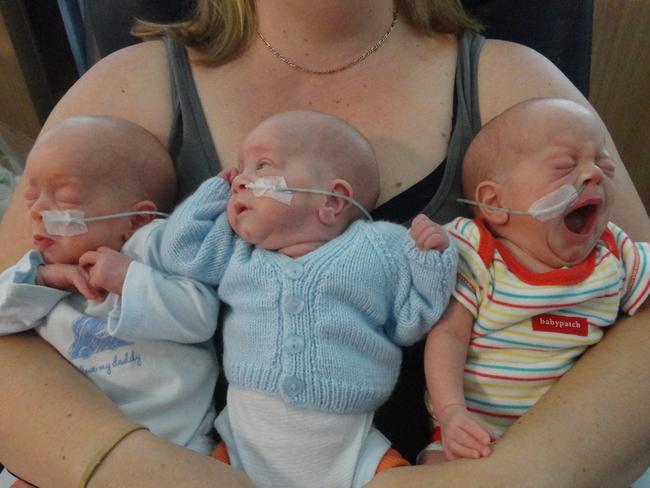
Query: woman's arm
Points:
[52, 419]
[591, 429]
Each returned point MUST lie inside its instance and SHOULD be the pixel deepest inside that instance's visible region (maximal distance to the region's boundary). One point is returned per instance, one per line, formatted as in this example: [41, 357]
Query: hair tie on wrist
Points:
[104, 451]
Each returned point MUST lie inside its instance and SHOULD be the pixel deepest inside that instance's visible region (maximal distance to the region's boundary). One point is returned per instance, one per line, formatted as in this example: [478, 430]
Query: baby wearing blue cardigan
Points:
[319, 299]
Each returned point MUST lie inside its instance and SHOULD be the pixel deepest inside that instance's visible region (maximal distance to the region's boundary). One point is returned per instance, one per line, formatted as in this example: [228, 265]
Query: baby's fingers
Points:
[474, 437]
[88, 259]
[480, 432]
[83, 286]
[455, 450]
[434, 238]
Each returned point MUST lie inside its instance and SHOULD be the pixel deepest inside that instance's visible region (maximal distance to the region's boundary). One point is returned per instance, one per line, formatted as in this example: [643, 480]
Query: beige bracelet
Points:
[104, 451]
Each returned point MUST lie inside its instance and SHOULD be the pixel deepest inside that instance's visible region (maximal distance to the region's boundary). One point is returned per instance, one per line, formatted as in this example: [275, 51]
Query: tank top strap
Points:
[190, 141]
[443, 207]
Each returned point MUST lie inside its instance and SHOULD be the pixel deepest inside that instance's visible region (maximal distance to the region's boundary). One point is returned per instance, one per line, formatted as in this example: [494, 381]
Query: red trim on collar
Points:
[485, 243]
[562, 276]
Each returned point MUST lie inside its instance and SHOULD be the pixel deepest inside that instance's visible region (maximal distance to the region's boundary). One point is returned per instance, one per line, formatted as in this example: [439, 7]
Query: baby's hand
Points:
[427, 234]
[106, 268]
[464, 435]
[69, 277]
[228, 174]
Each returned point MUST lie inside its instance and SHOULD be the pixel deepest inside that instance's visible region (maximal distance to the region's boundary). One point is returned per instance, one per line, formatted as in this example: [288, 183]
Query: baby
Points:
[92, 285]
[319, 300]
[541, 272]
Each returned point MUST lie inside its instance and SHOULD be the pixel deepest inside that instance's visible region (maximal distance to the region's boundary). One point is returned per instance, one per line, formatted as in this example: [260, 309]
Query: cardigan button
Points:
[294, 270]
[293, 305]
[292, 386]
[294, 344]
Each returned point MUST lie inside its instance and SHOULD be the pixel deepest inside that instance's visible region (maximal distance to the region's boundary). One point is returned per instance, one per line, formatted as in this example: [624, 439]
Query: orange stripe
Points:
[392, 459]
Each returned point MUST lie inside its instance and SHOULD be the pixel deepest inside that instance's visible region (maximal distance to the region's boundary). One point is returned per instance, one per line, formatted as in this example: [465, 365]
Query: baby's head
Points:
[100, 166]
[310, 150]
[529, 151]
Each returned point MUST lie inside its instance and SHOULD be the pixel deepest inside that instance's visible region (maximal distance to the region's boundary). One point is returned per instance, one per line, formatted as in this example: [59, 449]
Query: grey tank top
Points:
[196, 159]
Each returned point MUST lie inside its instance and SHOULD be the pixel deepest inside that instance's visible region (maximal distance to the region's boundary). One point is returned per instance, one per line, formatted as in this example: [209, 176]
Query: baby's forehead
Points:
[56, 161]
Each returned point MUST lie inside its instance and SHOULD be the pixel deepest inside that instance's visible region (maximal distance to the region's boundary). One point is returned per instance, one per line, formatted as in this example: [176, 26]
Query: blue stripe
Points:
[536, 346]
[567, 364]
[496, 405]
[607, 287]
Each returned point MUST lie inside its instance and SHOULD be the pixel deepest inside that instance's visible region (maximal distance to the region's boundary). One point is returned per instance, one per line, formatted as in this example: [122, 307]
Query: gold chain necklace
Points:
[357, 60]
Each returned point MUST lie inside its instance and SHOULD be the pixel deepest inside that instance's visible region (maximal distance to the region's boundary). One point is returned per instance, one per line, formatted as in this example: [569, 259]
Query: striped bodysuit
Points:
[530, 328]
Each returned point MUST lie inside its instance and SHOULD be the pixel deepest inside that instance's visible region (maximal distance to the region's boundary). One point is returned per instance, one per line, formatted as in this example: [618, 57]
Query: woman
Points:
[389, 70]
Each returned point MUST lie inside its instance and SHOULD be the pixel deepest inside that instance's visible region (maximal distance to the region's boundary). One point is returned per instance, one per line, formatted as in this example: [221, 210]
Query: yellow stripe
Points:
[512, 387]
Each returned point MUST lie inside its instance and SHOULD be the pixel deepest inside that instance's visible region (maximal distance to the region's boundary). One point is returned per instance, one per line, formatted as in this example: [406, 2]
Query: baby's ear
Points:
[491, 193]
[332, 207]
[137, 221]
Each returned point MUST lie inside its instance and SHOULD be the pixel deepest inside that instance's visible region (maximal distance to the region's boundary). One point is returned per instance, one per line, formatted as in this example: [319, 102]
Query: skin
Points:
[544, 144]
[401, 99]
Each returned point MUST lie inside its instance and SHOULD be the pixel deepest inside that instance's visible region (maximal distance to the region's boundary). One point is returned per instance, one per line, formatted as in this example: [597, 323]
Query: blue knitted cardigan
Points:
[323, 330]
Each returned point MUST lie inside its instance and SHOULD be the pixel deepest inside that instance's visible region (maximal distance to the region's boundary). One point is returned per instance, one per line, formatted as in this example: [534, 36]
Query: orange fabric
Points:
[392, 459]
[561, 276]
[220, 453]
[609, 239]
[437, 434]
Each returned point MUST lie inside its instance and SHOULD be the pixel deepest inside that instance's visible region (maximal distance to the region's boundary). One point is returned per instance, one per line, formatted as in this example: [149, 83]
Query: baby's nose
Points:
[592, 174]
[35, 210]
[239, 182]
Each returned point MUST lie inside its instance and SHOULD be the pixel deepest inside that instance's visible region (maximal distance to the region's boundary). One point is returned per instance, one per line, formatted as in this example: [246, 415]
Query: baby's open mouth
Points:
[581, 219]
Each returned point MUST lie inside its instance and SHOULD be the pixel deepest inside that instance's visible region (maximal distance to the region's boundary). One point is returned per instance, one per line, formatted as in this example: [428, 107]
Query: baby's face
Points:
[567, 148]
[264, 221]
[61, 178]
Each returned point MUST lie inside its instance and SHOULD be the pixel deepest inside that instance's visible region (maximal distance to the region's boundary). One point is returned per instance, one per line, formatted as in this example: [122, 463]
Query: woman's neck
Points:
[321, 33]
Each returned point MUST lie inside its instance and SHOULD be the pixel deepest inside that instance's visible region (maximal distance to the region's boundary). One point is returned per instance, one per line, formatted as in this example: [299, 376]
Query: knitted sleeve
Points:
[198, 241]
[635, 258]
[423, 285]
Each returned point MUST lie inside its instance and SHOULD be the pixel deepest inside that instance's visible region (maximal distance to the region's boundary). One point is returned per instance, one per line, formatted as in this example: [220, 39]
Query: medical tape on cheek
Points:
[276, 187]
[73, 222]
[273, 187]
[64, 223]
[554, 204]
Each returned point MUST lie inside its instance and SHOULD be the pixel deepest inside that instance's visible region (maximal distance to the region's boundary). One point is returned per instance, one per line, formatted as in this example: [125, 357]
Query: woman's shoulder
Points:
[509, 73]
[132, 83]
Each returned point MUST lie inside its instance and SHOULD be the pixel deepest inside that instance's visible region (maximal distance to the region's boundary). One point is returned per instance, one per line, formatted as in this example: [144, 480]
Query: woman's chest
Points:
[406, 116]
